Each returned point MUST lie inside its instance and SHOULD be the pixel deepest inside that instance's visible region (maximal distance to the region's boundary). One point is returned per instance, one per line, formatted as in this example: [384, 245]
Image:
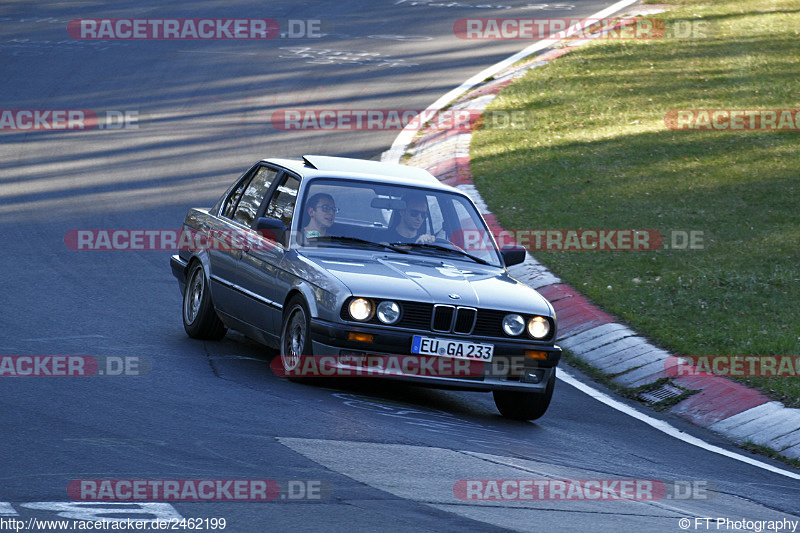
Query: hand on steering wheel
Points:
[426, 238]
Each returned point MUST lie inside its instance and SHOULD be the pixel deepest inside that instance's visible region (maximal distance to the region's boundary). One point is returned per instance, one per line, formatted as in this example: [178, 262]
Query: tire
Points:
[199, 318]
[524, 405]
[295, 336]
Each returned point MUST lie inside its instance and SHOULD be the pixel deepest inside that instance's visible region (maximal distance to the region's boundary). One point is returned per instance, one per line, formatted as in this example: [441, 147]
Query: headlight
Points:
[388, 312]
[360, 309]
[513, 325]
[538, 327]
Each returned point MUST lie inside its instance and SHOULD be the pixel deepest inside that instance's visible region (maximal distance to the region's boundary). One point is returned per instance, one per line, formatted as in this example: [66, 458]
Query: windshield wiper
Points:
[439, 247]
[355, 240]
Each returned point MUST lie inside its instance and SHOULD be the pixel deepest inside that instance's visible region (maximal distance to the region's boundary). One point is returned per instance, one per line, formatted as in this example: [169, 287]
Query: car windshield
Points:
[353, 214]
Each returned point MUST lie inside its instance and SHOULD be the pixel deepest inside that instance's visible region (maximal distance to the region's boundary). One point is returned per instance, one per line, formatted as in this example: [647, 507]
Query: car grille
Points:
[415, 315]
[442, 317]
[490, 323]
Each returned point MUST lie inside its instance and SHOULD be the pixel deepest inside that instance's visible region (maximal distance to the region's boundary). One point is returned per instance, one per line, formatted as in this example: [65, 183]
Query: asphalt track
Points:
[387, 455]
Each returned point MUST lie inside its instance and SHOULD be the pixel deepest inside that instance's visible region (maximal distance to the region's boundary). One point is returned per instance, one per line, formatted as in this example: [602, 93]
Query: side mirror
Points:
[271, 228]
[513, 255]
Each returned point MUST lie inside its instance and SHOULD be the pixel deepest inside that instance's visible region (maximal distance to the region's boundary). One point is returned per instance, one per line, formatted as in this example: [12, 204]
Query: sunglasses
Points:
[328, 208]
[416, 213]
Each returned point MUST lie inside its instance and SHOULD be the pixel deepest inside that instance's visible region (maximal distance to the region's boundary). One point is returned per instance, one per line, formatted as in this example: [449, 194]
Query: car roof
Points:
[345, 167]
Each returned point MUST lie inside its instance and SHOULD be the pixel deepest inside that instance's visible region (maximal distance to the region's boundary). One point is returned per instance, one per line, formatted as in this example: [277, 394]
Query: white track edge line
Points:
[405, 137]
[665, 427]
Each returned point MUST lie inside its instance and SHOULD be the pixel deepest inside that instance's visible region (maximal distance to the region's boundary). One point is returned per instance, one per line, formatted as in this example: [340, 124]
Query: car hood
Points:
[422, 279]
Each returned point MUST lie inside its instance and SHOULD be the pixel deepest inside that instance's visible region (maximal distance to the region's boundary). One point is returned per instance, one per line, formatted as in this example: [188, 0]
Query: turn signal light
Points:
[530, 354]
[361, 337]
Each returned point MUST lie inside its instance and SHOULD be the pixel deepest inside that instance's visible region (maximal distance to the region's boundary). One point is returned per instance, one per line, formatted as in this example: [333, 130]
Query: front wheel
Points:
[524, 405]
[295, 336]
[199, 318]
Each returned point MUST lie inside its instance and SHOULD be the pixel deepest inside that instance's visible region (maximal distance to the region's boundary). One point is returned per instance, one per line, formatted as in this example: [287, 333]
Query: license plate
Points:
[452, 348]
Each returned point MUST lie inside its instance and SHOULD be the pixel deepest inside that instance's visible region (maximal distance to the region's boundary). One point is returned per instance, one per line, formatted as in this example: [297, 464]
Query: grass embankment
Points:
[595, 153]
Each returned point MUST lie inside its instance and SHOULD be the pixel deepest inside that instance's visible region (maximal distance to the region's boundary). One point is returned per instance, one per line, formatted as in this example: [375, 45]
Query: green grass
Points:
[763, 450]
[594, 152]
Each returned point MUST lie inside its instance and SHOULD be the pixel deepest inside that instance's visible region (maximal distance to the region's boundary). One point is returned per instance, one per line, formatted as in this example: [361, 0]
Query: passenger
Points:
[321, 213]
[406, 225]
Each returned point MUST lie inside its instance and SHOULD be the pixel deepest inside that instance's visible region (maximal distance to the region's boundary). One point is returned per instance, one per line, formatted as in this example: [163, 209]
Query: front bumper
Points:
[178, 265]
[389, 356]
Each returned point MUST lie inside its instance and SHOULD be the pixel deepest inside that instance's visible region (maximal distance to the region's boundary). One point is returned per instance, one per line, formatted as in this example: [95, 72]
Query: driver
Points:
[407, 224]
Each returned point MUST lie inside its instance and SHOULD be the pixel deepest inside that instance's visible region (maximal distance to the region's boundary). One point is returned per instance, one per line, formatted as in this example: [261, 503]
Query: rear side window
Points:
[282, 204]
[234, 196]
[250, 200]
